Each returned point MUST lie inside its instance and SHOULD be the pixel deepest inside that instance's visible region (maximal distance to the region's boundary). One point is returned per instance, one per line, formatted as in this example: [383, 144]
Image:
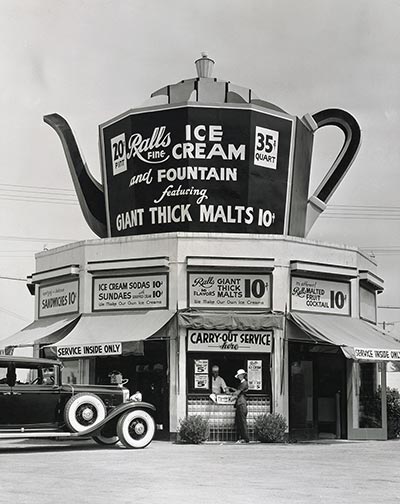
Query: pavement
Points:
[339, 472]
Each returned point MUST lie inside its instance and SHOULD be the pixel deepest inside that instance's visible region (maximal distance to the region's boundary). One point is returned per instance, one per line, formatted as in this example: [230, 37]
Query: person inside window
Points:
[218, 385]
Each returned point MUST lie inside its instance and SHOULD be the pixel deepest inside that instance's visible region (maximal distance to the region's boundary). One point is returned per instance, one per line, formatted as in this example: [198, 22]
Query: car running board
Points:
[42, 434]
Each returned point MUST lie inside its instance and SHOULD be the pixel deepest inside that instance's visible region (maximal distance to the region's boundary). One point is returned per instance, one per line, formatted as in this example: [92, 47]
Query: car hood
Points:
[94, 389]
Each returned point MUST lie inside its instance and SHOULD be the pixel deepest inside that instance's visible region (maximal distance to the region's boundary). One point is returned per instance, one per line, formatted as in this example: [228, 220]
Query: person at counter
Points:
[218, 385]
[241, 407]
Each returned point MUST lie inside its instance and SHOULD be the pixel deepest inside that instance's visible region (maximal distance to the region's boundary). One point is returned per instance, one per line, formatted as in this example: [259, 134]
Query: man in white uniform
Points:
[218, 384]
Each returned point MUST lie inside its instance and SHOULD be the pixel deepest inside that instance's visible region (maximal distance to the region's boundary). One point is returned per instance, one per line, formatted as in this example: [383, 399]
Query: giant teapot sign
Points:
[222, 290]
[322, 296]
[197, 169]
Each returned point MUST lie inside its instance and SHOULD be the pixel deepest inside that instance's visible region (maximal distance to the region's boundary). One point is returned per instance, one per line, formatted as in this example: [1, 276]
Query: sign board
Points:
[201, 366]
[135, 292]
[197, 168]
[320, 296]
[225, 399]
[229, 341]
[201, 381]
[59, 299]
[373, 354]
[222, 290]
[367, 304]
[254, 374]
[95, 350]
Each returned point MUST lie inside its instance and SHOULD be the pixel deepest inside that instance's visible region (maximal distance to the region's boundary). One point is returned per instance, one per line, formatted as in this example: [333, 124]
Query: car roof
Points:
[28, 360]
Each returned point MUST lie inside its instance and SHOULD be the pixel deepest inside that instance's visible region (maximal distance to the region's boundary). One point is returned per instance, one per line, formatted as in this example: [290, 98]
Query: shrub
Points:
[270, 428]
[393, 412]
[194, 429]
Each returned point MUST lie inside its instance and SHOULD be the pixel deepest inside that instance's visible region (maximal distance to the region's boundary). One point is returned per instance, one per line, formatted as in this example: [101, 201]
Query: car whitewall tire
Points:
[83, 411]
[136, 429]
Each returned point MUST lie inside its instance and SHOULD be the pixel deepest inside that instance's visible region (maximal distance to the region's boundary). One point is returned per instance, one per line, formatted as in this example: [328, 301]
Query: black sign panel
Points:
[200, 169]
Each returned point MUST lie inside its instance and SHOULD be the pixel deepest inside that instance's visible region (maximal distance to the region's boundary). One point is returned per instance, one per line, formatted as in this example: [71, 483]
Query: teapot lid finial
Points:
[204, 66]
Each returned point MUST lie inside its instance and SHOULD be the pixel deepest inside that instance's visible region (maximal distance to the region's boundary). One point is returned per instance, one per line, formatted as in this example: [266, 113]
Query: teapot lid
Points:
[206, 89]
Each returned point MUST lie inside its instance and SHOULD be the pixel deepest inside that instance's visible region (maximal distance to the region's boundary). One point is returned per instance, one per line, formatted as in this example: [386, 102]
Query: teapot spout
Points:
[90, 192]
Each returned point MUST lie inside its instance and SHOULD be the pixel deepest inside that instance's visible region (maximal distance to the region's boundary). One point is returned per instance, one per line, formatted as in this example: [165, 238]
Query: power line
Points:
[36, 239]
[38, 187]
[13, 278]
[34, 199]
[13, 314]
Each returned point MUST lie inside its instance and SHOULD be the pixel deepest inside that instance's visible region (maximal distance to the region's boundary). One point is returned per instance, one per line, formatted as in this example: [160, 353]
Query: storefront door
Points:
[147, 374]
[317, 399]
[331, 394]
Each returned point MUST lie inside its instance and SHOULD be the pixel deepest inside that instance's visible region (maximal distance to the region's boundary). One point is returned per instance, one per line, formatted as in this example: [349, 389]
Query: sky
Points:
[91, 60]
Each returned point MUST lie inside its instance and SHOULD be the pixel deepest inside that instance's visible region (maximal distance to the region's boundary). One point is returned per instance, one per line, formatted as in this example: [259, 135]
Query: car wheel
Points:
[136, 429]
[101, 439]
[83, 411]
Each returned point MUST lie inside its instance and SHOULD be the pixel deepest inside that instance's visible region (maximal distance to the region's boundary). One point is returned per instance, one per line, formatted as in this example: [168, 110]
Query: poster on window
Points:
[201, 381]
[254, 374]
[201, 366]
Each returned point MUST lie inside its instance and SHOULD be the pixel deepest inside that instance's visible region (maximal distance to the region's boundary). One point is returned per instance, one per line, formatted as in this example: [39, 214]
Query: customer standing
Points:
[241, 407]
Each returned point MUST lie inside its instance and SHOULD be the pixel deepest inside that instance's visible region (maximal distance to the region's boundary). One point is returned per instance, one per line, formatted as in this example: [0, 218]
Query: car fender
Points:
[114, 415]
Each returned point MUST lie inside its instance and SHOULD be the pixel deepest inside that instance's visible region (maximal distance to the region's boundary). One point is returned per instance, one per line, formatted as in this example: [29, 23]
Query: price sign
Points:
[229, 290]
[140, 292]
[59, 299]
[266, 147]
[321, 296]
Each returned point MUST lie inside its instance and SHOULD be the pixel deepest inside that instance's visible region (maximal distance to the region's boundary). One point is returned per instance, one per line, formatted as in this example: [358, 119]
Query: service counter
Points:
[221, 417]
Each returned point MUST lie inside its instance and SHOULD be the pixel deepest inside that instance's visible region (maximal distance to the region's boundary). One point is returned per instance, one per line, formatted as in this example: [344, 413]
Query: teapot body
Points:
[238, 168]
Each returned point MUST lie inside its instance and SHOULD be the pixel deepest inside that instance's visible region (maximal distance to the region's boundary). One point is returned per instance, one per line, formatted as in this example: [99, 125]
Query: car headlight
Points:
[136, 397]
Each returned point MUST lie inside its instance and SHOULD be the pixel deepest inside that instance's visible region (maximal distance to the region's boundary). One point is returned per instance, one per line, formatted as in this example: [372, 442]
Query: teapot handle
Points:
[352, 140]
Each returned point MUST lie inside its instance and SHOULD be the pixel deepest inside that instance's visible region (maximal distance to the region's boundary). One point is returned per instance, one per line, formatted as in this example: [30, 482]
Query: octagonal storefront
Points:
[297, 315]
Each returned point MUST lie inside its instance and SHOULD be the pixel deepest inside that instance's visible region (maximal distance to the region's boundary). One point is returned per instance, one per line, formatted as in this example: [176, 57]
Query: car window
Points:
[3, 374]
[34, 375]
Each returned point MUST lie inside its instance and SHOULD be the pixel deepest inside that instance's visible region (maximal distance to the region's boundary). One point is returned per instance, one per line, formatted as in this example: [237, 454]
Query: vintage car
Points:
[34, 403]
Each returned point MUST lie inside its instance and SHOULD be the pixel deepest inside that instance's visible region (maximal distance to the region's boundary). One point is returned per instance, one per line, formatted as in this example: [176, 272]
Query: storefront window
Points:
[200, 367]
[70, 371]
[370, 396]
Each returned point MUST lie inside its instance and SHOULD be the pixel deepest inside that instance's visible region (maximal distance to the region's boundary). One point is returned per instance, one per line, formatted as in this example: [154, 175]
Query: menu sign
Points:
[321, 296]
[136, 292]
[196, 168]
[229, 341]
[254, 374]
[59, 299]
[222, 290]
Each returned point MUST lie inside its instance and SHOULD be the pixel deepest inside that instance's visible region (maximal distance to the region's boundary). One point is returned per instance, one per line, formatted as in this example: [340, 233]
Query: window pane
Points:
[3, 374]
[35, 375]
[70, 372]
[370, 404]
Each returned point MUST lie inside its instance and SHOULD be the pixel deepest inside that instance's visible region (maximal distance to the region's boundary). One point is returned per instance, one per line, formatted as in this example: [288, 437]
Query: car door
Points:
[34, 401]
[5, 398]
